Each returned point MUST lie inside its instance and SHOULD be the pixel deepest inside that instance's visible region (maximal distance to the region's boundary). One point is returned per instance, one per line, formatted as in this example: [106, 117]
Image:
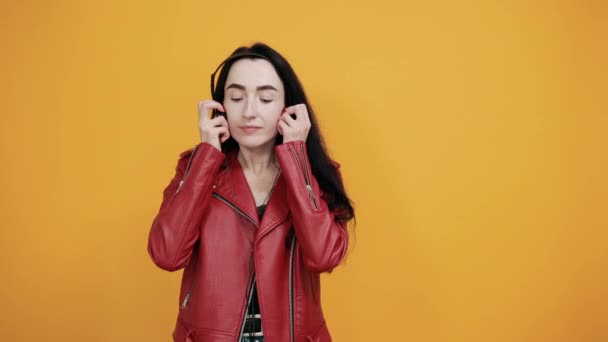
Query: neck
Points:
[257, 160]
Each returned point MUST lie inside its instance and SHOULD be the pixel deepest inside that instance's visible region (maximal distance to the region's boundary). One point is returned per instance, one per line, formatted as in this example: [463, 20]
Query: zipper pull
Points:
[179, 186]
[186, 300]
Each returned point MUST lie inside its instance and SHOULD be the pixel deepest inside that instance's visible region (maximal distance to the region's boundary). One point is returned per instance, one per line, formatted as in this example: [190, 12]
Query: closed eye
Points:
[237, 100]
[266, 101]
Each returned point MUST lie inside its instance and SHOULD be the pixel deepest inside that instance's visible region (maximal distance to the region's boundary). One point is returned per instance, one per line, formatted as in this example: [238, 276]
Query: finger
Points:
[205, 106]
[289, 110]
[225, 136]
[306, 116]
[218, 121]
[209, 109]
[209, 104]
[301, 112]
[281, 127]
[288, 119]
[203, 114]
[222, 132]
[223, 120]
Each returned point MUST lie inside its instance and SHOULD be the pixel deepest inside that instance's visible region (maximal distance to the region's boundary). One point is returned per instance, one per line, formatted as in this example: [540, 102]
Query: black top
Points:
[261, 210]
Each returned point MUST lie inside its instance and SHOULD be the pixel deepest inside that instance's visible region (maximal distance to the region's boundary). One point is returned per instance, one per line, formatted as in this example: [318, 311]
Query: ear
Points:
[279, 129]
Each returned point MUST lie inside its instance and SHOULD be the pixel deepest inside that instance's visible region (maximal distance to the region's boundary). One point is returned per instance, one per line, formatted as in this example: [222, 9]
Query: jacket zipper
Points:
[187, 296]
[181, 182]
[252, 280]
[291, 305]
[223, 199]
[249, 297]
[304, 171]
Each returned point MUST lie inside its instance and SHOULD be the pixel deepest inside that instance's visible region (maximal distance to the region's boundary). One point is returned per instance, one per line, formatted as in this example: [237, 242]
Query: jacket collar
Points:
[232, 186]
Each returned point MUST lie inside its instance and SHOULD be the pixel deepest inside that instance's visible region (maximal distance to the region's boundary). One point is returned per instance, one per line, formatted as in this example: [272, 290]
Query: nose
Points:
[250, 110]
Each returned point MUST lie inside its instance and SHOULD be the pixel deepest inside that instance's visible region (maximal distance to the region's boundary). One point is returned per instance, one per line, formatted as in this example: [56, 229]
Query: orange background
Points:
[472, 136]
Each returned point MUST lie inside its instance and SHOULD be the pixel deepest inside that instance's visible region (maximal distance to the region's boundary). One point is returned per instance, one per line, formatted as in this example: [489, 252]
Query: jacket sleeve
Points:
[175, 230]
[323, 240]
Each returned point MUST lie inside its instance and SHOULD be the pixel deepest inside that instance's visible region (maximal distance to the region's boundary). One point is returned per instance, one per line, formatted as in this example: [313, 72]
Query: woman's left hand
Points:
[294, 129]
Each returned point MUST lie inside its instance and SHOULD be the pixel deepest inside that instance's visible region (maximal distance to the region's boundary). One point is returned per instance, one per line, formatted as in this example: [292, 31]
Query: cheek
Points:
[229, 113]
[232, 122]
[275, 114]
[273, 119]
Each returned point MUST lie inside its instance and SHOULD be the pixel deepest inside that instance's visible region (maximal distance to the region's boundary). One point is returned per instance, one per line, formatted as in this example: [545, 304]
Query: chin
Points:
[253, 142]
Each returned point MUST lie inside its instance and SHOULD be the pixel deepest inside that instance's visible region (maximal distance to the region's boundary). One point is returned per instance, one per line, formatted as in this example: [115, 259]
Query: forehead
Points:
[253, 72]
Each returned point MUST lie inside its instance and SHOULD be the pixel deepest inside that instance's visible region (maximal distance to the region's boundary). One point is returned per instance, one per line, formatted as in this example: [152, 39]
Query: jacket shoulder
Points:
[185, 156]
[186, 153]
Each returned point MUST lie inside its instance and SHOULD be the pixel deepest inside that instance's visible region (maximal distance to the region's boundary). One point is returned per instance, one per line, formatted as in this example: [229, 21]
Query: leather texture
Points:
[208, 226]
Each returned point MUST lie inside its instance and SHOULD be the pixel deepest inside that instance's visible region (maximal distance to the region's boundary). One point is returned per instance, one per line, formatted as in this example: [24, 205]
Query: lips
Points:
[250, 129]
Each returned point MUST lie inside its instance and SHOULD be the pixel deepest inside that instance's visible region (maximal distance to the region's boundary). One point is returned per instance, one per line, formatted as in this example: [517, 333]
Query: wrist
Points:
[288, 140]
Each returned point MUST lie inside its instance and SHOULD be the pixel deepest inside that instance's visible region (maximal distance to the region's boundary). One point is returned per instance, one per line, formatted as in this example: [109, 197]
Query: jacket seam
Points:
[314, 331]
[190, 328]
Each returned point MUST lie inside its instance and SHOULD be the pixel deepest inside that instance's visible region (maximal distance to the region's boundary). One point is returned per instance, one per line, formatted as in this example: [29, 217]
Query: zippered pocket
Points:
[187, 297]
[193, 272]
[234, 207]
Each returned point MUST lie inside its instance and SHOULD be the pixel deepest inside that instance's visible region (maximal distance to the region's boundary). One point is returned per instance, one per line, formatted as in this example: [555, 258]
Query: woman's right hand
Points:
[213, 131]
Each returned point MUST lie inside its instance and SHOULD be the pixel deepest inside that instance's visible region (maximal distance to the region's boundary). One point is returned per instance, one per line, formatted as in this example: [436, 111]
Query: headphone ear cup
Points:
[215, 113]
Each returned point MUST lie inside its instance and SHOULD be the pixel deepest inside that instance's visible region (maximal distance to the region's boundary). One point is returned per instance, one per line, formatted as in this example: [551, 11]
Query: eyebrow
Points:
[242, 87]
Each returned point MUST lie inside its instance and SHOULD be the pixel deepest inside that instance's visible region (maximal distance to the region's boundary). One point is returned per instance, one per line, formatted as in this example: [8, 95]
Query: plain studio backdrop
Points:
[472, 134]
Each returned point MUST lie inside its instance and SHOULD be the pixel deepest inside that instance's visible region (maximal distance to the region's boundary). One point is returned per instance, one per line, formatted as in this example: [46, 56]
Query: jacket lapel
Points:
[277, 209]
[232, 185]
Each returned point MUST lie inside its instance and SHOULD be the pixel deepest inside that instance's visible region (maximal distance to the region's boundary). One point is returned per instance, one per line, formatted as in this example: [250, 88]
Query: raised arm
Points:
[323, 240]
[175, 230]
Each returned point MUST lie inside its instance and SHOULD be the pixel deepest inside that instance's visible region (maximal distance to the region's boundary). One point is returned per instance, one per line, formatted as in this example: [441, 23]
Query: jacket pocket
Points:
[321, 335]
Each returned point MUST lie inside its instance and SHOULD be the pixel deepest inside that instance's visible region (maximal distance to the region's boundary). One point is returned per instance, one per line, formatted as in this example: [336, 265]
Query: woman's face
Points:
[254, 98]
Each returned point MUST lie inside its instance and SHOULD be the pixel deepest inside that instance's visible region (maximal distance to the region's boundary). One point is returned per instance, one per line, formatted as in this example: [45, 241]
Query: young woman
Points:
[255, 211]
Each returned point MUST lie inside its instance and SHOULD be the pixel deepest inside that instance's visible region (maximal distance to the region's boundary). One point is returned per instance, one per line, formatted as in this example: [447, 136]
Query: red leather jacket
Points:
[208, 223]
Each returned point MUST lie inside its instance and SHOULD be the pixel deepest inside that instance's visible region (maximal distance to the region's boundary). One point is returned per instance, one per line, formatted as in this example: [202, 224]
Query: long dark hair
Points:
[321, 165]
